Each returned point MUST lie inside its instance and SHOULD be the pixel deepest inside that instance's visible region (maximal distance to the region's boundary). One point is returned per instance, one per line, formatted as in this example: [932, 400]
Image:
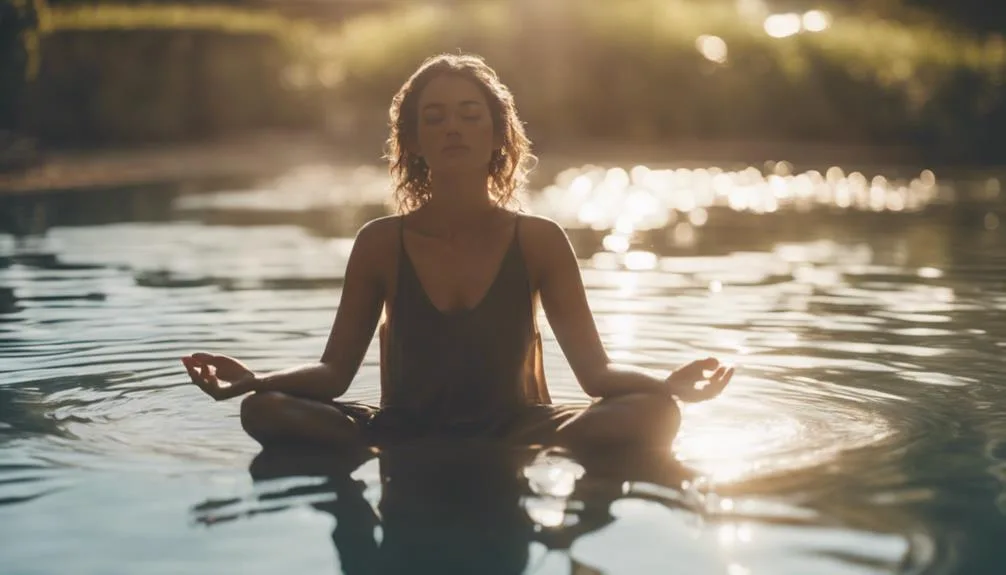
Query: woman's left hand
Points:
[690, 383]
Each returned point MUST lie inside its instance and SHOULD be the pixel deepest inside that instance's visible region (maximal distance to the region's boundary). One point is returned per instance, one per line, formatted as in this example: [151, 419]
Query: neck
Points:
[460, 196]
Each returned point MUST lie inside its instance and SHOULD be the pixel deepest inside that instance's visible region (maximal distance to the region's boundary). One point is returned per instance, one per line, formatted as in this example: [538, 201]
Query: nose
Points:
[453, 123]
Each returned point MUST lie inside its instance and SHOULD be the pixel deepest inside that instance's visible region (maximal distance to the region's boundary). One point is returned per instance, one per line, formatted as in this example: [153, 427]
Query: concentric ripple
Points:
[865, 411]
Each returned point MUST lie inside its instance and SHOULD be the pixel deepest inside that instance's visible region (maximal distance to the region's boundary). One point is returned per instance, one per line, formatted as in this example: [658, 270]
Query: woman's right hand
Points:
[219, 376]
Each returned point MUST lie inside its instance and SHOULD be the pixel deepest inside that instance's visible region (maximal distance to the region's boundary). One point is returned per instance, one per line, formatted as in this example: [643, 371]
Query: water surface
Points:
[865, 430]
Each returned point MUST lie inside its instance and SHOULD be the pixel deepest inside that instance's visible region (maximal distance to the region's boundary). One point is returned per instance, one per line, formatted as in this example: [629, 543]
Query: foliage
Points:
[616, 70]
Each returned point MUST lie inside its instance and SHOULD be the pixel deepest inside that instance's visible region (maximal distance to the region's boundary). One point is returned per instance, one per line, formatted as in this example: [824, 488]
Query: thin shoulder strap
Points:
[401, 232]
[516, 229]
[402, 255]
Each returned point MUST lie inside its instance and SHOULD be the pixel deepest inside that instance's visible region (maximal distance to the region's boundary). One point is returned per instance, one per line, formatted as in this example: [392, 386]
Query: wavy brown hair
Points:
[509, 165]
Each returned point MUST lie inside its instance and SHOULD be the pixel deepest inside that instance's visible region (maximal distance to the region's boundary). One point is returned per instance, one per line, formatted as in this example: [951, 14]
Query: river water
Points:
[864, 431]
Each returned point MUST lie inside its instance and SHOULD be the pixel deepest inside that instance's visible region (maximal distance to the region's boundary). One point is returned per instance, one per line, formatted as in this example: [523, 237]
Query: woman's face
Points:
[455, 132]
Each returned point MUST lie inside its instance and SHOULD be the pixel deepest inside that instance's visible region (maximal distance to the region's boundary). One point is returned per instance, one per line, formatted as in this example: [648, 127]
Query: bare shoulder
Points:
[545, 247]
[375, 249]
[543, 233]
[377, 235]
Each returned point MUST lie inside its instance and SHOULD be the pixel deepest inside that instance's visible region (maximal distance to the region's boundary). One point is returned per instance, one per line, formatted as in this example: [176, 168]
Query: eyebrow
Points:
[442, 106]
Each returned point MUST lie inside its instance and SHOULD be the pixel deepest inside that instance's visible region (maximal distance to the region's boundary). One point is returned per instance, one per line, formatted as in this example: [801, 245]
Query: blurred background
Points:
[912, 80]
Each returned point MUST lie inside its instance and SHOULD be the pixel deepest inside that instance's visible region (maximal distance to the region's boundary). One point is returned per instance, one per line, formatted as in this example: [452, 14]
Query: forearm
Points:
[615, 380]
[312, 381]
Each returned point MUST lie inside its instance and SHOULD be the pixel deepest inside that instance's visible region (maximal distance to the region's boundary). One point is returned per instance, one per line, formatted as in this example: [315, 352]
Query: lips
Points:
[456, 148]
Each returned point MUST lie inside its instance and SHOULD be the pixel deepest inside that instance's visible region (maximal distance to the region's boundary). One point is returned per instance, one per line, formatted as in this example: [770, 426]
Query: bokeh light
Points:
[783, 25]
[624, 203]
[712, 48]
[816, 21]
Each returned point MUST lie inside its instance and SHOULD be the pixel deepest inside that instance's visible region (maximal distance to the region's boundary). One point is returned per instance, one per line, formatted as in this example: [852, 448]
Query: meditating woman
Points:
[454, 281]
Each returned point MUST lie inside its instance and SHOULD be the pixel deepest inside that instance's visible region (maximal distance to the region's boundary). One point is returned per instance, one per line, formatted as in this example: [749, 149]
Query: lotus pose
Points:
[454, 281]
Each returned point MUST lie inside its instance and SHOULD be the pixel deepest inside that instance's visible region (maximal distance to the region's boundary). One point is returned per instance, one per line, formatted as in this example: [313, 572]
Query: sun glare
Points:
[731, 452]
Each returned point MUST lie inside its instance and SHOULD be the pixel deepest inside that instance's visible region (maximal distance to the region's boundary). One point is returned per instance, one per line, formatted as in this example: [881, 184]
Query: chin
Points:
[457, 166]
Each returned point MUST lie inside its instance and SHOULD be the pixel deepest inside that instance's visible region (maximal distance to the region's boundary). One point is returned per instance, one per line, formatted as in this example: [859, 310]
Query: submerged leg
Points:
[274, 417]
[634, 420]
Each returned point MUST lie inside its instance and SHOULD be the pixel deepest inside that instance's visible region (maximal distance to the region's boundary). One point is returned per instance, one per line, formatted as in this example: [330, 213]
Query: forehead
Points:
[450, 90]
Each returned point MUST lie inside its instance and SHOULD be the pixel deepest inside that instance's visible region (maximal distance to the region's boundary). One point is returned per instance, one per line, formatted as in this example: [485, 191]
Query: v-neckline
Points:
[485, 295]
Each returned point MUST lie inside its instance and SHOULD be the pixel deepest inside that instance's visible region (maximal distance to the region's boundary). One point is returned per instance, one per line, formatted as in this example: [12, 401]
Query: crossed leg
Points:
[274, 417]
[639, 420]
[633, 420]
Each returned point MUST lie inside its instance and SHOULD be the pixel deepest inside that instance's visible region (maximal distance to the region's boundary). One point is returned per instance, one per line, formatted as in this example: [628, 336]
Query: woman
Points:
[458, 277]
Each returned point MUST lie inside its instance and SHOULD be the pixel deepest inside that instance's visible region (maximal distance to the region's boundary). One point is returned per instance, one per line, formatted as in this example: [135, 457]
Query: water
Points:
[865, 430]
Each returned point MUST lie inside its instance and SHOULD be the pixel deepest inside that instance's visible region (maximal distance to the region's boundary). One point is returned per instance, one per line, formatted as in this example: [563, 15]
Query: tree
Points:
[18, 24]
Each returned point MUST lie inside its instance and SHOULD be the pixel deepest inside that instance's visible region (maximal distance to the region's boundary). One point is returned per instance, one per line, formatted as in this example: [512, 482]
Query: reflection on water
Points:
[862, 434]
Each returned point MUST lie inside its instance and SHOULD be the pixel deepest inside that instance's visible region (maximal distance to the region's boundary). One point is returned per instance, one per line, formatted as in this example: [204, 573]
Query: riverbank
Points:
[268, 155]
[260, 155]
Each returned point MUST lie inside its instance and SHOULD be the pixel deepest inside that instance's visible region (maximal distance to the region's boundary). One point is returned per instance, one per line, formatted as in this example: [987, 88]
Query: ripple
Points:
[735, 440]
[864, 408]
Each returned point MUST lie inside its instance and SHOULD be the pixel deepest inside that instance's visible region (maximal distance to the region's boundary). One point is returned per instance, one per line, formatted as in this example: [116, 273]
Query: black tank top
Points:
[466, 368]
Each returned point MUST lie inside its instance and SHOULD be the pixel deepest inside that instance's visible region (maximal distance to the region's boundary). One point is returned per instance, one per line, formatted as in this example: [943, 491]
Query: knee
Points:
[258, 409]
[652, 416]
[634, 420]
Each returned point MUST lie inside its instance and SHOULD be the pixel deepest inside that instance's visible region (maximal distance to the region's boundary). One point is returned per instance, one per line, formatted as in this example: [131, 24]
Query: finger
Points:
[728, 376]
[204, 357]
[190, 368]
[200, 381]
[703, 365]
[720, 383]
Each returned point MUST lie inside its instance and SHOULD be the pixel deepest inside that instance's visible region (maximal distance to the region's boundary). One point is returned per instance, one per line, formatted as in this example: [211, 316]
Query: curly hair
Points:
[509, 165]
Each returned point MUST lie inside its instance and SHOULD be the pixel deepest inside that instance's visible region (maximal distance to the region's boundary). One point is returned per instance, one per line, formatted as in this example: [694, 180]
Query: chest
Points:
[459, 276]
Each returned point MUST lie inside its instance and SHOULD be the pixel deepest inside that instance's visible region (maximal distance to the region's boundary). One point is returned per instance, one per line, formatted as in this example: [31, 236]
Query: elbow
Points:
[592, 390]
[594, 384]
[336, 383]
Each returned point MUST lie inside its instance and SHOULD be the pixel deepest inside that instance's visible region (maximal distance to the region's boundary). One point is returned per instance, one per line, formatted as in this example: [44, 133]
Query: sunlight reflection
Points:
[737, 569]
[640, 260]
[552, 478]
[621, 330]
[734, 442]
[616, 243]
[627, 284]
[553, 475]
[628, 202]
[727, 535]
[546, 512]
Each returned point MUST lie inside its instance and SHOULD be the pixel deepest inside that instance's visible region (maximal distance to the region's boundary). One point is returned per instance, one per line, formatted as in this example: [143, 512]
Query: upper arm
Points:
[564, 300]
[360, 305]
